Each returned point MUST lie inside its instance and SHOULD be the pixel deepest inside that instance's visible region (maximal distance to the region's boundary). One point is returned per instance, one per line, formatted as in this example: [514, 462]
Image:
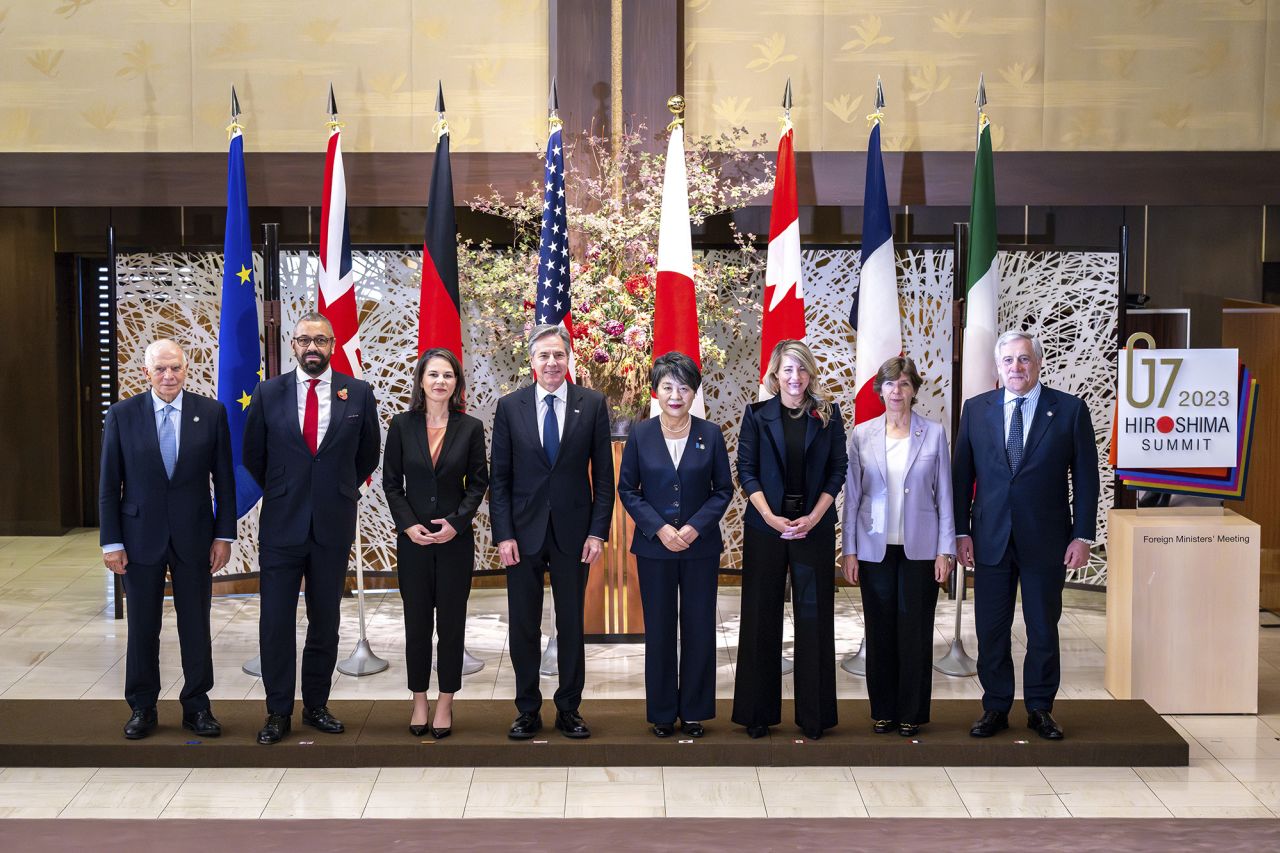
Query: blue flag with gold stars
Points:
[239, 350]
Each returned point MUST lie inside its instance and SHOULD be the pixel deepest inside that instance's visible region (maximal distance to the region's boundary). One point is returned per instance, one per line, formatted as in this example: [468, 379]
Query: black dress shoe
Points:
[418, 731]
[141, 723]
[908, 729]
[989, 723]
[883, 727]
[571, 725]
[203, 723]
[812, 733]
[757, 731]
[275, 728]
[663, 729]
[321, 719]
[1044, 725]
[526, 726]
[692, 728]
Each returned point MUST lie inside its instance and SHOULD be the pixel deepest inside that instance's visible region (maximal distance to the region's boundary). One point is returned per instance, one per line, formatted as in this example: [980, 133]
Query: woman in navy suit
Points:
[899, 540]
[791, 464]
[435, 474]
[675, 484]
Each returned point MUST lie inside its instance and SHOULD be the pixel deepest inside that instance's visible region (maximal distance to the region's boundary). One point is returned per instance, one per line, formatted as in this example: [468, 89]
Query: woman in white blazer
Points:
[899, 541]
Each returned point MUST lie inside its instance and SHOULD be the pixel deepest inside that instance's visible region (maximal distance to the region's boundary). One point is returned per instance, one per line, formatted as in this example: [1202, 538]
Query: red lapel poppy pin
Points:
[342, 393]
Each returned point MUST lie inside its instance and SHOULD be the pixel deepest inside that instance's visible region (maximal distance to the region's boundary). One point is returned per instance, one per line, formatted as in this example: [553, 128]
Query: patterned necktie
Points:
[1014, 447]
[311, 417]
[168, 441]
[551, 430]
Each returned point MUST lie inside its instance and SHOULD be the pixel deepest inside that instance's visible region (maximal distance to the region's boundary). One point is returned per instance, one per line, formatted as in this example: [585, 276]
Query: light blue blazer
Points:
[928, 520]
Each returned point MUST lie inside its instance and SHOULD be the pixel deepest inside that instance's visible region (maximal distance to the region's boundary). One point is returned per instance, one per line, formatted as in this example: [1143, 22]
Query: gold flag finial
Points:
[676, 104]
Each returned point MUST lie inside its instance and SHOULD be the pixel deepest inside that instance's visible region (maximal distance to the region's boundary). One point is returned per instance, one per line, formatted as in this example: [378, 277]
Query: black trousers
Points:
[282, 570]
[435, 580]
[524, 606]
[899, 597]
[757, 688]
[679, 678]
[995, 591]
[192, 594]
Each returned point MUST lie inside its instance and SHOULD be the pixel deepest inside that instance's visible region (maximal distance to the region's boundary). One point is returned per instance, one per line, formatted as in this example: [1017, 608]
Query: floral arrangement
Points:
[614, 211]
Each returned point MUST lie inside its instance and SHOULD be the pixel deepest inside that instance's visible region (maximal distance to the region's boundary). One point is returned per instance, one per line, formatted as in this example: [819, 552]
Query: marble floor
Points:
[58, 639]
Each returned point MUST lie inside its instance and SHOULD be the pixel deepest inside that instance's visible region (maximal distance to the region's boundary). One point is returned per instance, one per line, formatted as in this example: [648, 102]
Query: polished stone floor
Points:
[58, 639]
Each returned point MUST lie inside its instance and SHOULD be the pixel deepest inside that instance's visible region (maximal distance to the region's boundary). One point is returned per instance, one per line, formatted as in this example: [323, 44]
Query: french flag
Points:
[675, 305]
[875, 315]
[783, 285]
[337, 292]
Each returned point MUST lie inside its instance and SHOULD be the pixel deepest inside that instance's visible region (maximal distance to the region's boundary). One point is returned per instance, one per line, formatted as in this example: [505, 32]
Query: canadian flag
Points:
[337, 292]
[783, 285]
[675, 305]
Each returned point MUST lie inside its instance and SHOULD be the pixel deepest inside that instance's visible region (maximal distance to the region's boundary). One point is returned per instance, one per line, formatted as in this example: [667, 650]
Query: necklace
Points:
[675, 431]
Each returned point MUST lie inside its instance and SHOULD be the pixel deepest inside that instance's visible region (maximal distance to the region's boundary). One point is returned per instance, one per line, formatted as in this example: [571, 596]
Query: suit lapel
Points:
[880, 445]
[771, 414]
[145, 413]
[287, 388]
[691, 443]
[811, 425]
[995, 424]
[572, 414]
[915, 441]
[1040, 421]
[419, 426]
[450, 433]
[529, 400]
[337, 409]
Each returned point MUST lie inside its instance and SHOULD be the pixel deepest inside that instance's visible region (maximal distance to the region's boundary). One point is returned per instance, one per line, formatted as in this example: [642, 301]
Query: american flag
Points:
[553, 250]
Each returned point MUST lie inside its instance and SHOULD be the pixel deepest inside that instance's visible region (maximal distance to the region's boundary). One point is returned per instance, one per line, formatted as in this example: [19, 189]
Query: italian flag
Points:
[982, 279]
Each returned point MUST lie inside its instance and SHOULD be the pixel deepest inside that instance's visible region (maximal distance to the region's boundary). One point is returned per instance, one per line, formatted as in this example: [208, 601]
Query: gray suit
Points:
[899, 593]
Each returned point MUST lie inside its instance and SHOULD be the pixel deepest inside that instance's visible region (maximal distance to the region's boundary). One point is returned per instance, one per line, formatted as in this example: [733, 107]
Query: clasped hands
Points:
[791, 529]
[677, 540]
[419, 535]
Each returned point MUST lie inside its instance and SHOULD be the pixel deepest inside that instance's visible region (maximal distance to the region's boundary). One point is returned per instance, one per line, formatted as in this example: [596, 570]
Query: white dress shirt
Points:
[675, 446]
[895, 458]
[562, 402]
[324, 395]
[1030, 399]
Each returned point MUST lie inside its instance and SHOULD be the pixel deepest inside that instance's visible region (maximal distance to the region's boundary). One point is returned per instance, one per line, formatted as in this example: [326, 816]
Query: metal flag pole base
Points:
[956, 662]
[470, 663]
[788, 665]
[550, 659]
[856, 663]
[253, 666]
[362, 661]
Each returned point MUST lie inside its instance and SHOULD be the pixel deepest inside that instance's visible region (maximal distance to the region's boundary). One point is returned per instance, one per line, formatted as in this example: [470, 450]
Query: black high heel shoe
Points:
[441, 734]
[417, 731]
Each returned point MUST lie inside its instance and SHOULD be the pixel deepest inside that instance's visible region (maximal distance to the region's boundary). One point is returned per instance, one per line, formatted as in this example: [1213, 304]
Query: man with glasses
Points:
[159, 452]
[311, 439]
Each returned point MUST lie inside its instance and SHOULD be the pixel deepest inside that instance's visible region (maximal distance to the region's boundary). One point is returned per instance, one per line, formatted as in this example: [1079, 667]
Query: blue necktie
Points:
[168, 441]
[1014, 447]
[550, 430]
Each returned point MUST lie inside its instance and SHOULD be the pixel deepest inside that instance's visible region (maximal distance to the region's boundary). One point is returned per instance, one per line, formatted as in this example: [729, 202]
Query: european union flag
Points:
[239, 351]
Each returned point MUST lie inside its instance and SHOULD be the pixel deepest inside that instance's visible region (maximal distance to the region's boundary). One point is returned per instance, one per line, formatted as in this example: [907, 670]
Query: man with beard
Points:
[311, 439]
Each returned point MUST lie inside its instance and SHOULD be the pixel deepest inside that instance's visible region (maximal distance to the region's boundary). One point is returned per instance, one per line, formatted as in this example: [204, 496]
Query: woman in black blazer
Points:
[675, 484]
[435, 474]
[791, 464]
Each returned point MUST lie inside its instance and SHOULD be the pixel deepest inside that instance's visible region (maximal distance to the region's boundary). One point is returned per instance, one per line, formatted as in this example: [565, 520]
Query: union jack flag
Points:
[553, 251]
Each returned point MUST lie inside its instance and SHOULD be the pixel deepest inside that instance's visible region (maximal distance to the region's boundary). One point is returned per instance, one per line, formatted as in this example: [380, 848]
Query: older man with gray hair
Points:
[160, 450]
[550, 501]
[1025, 478]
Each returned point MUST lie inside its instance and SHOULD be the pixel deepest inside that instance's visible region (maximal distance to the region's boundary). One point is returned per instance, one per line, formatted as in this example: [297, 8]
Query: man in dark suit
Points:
[311, 440]
[159, 451]
[1026, 495]
[550, 443]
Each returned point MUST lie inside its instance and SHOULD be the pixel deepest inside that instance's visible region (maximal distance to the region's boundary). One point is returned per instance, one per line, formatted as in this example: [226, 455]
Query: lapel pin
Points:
[577, 411]
[196, 419]
[1049, 413]
[342, 393]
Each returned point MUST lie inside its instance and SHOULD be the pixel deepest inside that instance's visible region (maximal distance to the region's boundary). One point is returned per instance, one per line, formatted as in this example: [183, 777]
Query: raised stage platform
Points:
[67, 733]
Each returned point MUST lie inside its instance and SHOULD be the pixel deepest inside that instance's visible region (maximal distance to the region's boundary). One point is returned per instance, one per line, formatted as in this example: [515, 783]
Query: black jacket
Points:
[452, 488]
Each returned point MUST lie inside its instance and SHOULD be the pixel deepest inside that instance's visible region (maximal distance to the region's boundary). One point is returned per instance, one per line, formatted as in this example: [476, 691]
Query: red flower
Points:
[528, 306]
[637, 285]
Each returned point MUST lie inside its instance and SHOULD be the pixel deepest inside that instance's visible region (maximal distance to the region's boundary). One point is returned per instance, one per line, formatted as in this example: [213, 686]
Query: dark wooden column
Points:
[652, 63]
[40, 487]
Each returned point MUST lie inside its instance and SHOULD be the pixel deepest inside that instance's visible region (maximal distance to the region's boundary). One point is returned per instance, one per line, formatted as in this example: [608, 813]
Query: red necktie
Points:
[311, 417]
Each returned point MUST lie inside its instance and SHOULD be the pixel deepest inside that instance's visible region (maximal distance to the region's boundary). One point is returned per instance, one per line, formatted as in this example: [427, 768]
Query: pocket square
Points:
[354, 417]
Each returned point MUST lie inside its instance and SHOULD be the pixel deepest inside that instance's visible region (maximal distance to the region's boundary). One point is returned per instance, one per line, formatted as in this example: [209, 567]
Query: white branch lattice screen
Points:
[1067, 298]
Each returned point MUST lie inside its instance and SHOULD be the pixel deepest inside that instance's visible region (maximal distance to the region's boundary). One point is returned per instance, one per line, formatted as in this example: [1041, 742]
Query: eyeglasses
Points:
[305, 341]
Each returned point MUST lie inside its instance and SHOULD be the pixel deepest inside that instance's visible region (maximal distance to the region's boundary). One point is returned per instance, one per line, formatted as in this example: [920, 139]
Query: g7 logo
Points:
[1150, 365]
